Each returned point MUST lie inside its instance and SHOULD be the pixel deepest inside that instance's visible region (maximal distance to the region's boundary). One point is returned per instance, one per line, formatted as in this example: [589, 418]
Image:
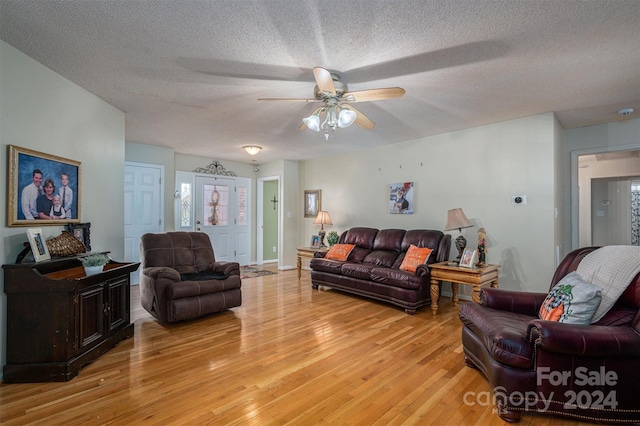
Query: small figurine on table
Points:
[482, 248]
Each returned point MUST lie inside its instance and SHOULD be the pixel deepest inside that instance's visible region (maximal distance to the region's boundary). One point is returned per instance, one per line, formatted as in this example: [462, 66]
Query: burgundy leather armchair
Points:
[588, 372]
[181, 280]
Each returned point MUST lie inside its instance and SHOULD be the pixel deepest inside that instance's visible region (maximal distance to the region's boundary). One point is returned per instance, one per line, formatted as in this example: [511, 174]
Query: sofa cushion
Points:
[396, 278]
[339, 252]
[181, 289]
[360, 237]
[358, 254]
[389, 240]
[572, 300]
[384, 258]
[357, 270]
[503, 333]
[415, 256]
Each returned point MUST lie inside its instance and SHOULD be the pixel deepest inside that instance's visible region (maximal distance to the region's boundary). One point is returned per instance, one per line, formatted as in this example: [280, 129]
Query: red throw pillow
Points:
[339, 251]
[415, 256]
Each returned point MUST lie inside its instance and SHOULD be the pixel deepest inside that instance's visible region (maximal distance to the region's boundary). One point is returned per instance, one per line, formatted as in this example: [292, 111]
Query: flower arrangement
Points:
[96, 259]
[332, 238]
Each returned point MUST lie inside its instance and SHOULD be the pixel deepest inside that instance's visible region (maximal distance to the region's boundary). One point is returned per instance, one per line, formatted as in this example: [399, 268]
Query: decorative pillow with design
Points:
[339, 251]
[573, 300]
[415, 256]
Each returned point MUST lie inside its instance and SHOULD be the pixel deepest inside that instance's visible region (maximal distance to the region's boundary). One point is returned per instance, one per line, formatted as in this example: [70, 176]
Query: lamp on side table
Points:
[322, 219]
[456, 219]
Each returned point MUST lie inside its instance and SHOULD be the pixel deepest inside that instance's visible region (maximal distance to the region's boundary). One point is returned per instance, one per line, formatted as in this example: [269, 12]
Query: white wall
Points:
[477, 169]
[42, 111]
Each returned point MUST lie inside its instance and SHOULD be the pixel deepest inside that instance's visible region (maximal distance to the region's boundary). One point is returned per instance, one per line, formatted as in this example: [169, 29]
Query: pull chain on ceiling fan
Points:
[334, 94]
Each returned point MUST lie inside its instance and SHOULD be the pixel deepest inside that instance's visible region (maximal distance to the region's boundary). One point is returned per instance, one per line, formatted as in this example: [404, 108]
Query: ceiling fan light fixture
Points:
[346, 117]
[252, 149]
[312, 122]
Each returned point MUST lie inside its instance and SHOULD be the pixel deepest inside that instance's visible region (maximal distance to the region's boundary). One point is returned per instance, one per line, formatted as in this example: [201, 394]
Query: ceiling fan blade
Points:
[289, 99]
[374, 94]
[324, 80]
[315, 111]
[361, 119]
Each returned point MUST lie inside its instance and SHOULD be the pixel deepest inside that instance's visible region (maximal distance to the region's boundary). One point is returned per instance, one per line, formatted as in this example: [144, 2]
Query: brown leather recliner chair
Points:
[181, 280]
[590, 372]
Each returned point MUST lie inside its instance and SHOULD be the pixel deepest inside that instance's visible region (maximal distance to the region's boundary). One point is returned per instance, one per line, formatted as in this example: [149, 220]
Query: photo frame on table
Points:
[312, 202]
[28, 173]
[81, 231]
[468, 259]
[315, 241]
[38, 245]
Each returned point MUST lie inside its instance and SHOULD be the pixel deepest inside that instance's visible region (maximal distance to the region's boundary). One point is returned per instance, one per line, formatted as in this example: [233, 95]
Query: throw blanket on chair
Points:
[612, 268]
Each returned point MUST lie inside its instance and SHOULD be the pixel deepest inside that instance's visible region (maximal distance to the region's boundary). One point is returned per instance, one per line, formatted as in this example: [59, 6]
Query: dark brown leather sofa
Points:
[588, 372]
[181, 280]
[372, 268]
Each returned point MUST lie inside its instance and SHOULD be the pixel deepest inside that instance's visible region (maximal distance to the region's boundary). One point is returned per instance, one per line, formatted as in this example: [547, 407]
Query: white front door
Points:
[215, 214]
[143, 207]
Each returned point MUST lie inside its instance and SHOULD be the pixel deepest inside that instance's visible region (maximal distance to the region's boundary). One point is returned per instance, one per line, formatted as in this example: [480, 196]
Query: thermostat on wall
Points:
[519, 199]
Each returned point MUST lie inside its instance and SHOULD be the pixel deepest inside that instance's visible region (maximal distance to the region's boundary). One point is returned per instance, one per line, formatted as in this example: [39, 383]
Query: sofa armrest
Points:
[423, 271]
[227, 268]
[521, 302]
[584, 340]
[159, 272]
[319, 254]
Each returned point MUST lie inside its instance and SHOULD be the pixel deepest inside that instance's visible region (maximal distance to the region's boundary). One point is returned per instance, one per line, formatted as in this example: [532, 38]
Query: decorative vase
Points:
[92, 270]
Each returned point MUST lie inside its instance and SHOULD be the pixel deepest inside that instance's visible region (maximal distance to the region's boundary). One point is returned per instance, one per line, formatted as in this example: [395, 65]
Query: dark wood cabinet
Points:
[59, 319]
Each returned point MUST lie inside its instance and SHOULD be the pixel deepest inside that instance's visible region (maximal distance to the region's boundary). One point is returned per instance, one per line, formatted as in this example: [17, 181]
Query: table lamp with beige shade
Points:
[322, 219]
[456, 219]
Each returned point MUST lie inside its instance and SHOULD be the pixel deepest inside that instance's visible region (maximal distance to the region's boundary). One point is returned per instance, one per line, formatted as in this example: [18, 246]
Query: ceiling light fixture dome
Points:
[252, 149]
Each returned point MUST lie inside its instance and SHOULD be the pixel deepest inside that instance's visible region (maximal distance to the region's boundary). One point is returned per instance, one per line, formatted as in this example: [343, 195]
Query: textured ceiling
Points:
[188, 73]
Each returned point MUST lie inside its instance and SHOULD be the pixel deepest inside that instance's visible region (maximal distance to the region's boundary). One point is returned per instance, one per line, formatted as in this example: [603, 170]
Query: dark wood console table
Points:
[59, 319]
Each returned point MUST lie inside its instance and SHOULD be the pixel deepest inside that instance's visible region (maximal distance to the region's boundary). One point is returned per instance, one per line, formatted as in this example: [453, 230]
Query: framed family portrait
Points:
[81, 231]
[43, 189]
[468, 259]
[312, 202]
[315, 241]
[38, 245]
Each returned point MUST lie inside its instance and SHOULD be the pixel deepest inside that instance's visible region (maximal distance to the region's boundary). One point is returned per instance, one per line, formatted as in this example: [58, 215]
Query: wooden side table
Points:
[476, 277]
[307, 252]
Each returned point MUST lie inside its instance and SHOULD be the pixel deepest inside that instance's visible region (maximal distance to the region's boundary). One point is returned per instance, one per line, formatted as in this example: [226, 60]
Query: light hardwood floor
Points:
[288, 355]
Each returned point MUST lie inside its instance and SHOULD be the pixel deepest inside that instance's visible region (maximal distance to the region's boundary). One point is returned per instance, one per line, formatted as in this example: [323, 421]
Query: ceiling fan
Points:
[335, 97]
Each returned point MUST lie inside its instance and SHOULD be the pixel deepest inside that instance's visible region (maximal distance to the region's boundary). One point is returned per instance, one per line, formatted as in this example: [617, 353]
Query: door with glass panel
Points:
[215, 214]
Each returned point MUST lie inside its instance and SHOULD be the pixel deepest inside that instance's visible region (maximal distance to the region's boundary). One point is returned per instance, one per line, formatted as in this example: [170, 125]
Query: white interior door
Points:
[215, 214]
[143, 207]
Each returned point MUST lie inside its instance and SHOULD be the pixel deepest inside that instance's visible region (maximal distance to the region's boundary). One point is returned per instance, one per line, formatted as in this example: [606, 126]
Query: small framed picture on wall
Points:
[312, 202]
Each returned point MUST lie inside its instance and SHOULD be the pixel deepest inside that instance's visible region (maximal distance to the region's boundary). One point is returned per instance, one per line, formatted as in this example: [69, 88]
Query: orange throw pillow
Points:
[339, 251]
[415, 256]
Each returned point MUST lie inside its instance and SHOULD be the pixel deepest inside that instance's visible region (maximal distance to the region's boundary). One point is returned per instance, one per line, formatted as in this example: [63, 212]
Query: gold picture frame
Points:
[27, 166]
[312, 202]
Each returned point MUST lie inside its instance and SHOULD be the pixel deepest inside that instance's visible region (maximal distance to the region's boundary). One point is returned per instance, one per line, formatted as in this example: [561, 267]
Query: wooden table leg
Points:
[435, 290]
[476, 293]
[455, 289]
[494, 284]
[299, 267]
